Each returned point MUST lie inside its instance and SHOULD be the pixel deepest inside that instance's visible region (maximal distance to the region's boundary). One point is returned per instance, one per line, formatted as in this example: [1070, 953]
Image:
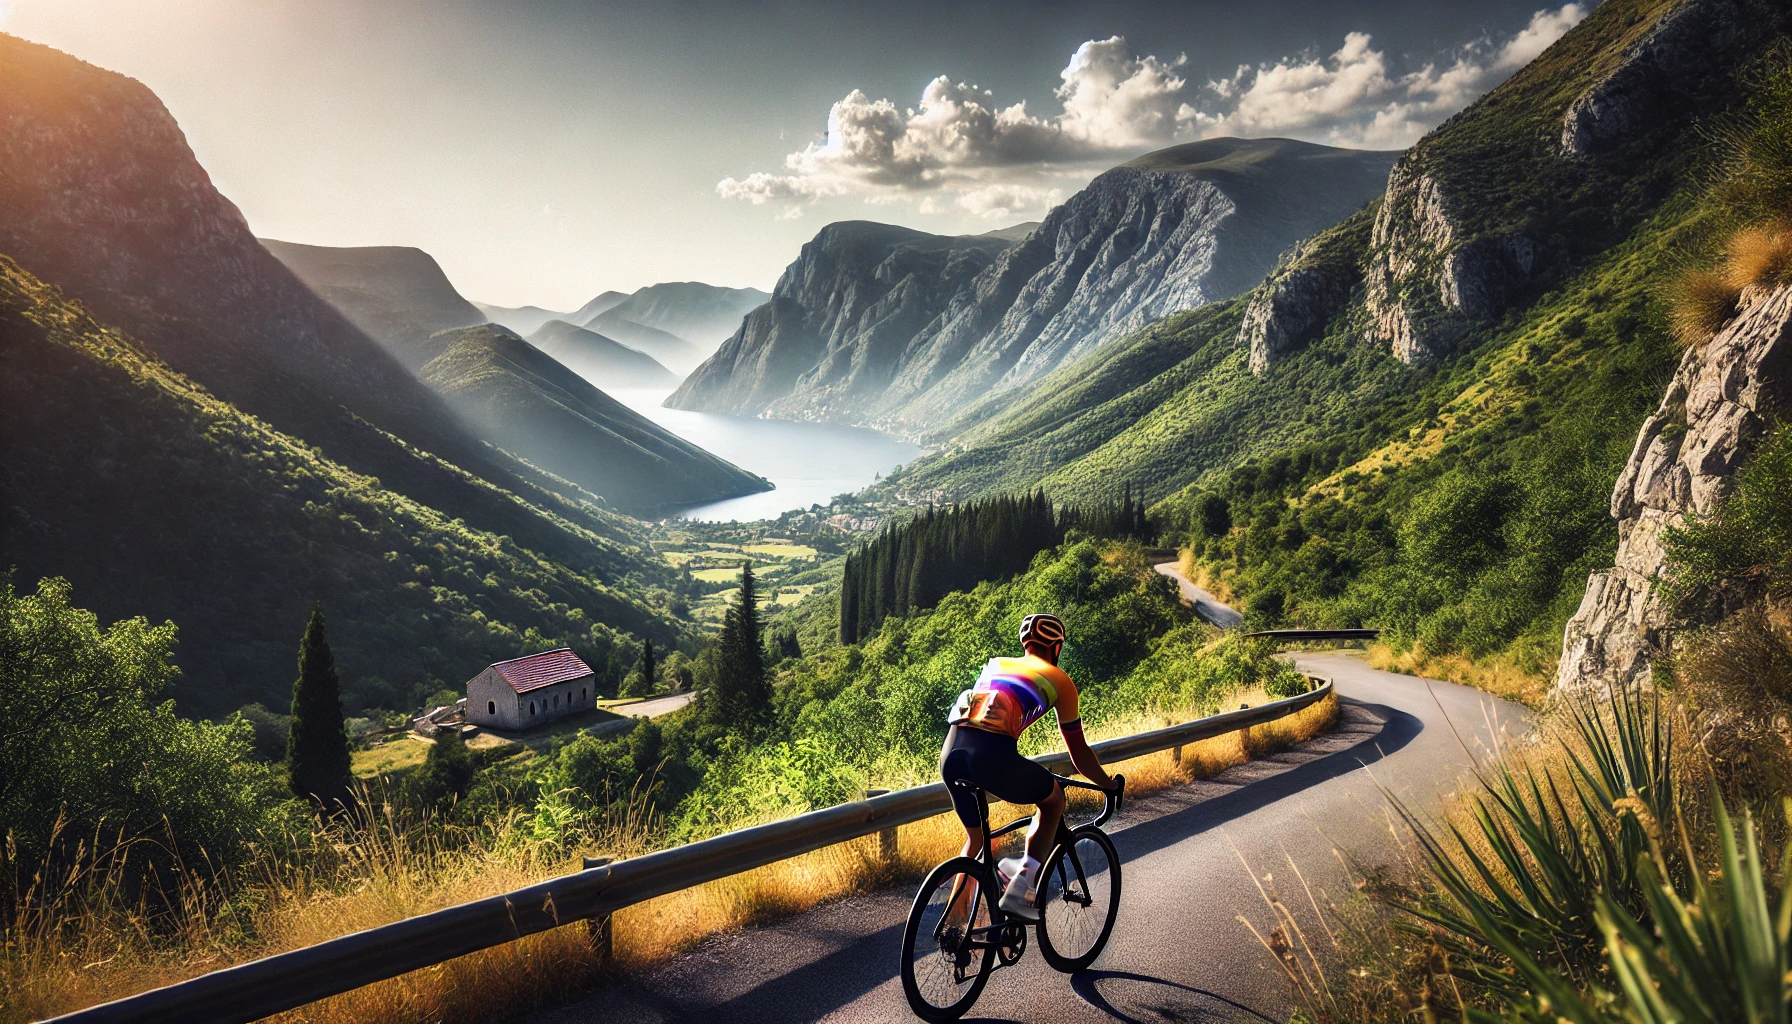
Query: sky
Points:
[548, 150]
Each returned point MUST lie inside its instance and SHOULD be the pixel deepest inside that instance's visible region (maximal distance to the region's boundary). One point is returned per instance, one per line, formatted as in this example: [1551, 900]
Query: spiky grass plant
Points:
[1760, 254]
[1700, 302]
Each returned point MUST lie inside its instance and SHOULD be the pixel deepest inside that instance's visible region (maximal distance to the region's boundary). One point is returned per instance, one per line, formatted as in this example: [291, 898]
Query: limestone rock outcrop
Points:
[1426, 281]
[1681, 55]
[1685, 457]
[1310, 285]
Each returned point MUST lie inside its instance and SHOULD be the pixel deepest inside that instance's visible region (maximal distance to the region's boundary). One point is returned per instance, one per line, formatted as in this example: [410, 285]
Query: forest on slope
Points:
[149, 493]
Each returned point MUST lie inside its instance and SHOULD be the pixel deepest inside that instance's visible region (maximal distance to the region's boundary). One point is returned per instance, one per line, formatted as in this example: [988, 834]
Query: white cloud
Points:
[1546, 27]
[1351, 98]
[998, 161]
[1005, 202]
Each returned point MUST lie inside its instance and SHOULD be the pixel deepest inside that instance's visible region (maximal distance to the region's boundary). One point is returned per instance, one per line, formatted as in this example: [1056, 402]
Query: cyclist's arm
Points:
[1070, 726]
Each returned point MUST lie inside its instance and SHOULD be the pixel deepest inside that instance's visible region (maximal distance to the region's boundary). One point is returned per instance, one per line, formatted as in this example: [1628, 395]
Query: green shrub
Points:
[89, 755]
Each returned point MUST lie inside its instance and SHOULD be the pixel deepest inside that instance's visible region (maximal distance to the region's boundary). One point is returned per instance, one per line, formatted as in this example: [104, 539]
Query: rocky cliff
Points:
[1170, 231]
[1717, 406]
[838, 323]
[1315, 280]
[1475, 221]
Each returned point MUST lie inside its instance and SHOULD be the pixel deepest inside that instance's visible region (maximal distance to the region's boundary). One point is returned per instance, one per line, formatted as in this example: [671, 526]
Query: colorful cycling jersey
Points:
[1013, 693]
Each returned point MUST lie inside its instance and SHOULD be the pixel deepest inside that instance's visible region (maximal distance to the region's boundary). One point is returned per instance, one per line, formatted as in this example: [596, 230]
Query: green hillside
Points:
[1459, 498]
[157, 498]
[531, 405]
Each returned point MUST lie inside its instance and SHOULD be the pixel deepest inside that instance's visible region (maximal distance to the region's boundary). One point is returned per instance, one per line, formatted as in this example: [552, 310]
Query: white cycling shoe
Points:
[1020, 898]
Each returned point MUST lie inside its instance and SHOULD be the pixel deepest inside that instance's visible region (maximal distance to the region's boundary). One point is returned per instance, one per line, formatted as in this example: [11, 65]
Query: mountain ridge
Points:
[397, 294]
[530, 404]
[1163, 233]
[605, 362]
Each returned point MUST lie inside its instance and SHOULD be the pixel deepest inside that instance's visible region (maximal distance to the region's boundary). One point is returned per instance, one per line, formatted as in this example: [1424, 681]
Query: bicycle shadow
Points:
[1174, 1005]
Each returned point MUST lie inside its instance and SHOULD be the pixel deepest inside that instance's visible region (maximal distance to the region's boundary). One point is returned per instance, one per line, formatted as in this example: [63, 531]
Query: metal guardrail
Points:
[260, 988]
[1297, 635]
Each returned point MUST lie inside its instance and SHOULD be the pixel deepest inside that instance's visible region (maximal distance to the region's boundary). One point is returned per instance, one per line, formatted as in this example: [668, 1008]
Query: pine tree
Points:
[743, 690]
[317, 760]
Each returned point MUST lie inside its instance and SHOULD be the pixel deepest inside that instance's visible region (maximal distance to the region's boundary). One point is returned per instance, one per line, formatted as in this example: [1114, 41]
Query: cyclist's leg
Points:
[972, 808]
[957, 765]
[1044, 830]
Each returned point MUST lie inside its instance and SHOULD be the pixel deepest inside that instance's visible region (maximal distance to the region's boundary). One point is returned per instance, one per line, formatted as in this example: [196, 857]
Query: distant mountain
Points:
[926, 350]
[839, 323]
[156, 498]
[530, 404]
[669, 350]
[395, 293]
[701, 314]
[602, 304]
[1014, 232]
[603, 362]
[523, 320]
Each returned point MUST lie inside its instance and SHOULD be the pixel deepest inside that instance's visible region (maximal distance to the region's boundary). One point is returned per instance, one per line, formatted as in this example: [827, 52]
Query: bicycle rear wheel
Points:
[947, 950]
[1079, 897]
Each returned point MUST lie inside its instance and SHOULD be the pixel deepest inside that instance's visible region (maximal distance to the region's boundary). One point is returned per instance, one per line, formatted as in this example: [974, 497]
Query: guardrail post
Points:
[886, 838]
[599, 929]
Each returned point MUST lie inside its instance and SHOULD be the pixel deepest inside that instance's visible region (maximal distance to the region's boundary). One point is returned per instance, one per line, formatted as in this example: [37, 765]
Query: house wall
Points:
[521, 711]
[487, 691]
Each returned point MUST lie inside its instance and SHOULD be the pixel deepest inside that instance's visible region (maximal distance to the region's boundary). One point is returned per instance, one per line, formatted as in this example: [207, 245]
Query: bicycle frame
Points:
[999, 922]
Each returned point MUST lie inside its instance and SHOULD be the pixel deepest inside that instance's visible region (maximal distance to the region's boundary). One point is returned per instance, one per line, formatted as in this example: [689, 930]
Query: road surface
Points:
[653, 707]
[1206, 605]
[1178, 952]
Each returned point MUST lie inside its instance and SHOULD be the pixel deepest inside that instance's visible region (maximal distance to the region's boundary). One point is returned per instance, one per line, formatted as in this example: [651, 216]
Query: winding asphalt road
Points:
[1178, 952]
[1206, 605]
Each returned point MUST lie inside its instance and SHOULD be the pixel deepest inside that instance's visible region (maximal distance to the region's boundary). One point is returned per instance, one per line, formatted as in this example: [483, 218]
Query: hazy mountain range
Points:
[677, 323]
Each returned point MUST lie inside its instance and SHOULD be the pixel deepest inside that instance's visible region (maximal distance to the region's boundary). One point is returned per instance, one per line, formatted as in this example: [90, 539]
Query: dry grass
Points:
[1498, 676]
[85, 949]
[1700, 302]
[1759, 255]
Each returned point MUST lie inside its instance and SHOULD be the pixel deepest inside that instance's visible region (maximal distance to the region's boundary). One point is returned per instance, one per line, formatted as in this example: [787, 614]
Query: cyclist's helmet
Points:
[1042, 628]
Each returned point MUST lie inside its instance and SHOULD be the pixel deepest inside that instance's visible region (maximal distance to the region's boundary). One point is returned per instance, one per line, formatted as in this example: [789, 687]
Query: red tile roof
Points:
[544, 669]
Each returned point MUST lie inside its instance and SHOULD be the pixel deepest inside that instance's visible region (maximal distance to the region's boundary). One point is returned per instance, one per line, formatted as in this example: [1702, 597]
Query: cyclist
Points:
[982, 748]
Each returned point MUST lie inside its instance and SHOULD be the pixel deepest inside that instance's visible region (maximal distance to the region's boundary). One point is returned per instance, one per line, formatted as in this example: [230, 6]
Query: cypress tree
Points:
[317, 760]
[647, 665]
[742, 692]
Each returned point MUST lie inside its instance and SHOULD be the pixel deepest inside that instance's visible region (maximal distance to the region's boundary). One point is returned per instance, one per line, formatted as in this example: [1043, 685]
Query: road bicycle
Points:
[957, 934]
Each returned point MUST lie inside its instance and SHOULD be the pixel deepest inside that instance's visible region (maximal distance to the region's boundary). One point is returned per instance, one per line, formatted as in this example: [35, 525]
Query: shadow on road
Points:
[1157, 999]
[1397, 730]
[865, 962]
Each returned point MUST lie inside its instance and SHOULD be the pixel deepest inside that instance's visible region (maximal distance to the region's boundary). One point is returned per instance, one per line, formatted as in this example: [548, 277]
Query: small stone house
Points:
[524, 693]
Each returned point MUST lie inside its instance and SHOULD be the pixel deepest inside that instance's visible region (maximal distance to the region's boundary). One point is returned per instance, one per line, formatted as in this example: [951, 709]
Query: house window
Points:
[531, 707]
[581, 695]
[491, 707]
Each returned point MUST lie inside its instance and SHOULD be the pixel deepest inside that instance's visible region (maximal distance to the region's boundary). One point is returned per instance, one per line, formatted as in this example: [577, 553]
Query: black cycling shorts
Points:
[993, 763]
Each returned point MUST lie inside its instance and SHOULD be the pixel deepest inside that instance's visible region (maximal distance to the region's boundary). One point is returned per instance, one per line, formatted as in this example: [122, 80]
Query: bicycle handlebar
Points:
[1112, 798]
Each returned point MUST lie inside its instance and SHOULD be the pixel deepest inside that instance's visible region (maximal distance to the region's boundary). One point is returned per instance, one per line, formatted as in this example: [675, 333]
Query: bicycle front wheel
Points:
[948, 948]
[1079, 897]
